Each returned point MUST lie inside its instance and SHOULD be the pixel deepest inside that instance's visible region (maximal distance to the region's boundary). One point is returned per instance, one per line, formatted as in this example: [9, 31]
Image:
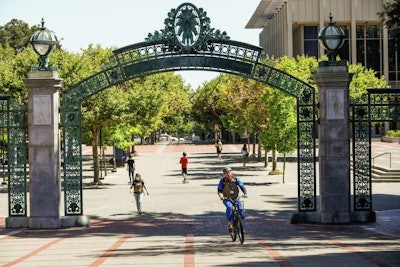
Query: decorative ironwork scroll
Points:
[378, 105]
[13, 126]
[187, 43]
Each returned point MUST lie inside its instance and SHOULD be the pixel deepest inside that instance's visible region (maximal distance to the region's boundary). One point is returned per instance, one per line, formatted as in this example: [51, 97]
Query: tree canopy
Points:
[16, 34]
[390, 16]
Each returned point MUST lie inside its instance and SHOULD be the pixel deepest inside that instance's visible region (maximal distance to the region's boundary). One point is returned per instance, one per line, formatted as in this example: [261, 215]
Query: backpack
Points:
[231, 189]
[138, 187]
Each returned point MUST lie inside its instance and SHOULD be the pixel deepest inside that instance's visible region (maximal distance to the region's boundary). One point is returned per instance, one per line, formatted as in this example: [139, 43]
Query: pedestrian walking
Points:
[245, 154]
[138, 186]
[184, 162]
[218, 145]
[131, 168]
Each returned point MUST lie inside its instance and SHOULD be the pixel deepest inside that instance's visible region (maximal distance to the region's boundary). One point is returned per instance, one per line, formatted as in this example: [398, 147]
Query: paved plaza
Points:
[184, 224]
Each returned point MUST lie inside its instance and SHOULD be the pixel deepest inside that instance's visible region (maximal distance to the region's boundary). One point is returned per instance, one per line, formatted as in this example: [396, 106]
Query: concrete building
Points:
[291, 27]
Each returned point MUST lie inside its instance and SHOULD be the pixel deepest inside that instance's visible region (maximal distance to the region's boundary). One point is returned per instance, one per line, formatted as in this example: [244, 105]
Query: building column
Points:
[334, 144]
[44, 149]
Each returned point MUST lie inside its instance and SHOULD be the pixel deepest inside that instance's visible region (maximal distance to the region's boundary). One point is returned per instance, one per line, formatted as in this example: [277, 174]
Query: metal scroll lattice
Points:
[202, 48]
[14, 133]
[378, 105]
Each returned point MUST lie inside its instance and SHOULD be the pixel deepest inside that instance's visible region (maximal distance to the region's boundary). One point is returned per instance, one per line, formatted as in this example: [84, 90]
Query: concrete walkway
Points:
[184, 224]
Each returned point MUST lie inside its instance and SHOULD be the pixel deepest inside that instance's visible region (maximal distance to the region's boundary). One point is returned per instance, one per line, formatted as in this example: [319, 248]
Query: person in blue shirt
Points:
[228, 190]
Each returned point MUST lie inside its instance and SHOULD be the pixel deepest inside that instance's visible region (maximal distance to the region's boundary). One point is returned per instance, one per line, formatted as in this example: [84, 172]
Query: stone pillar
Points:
[334, 144]
[44, 149]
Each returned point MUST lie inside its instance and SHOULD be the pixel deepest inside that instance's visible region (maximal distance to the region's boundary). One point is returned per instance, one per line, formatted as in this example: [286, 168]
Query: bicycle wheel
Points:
[240, 231]
[234, 231]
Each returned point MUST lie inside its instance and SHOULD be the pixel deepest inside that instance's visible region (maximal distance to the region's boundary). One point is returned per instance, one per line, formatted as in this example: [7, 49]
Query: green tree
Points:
[145, 101]
[206, 109]
[176, 111]
[362, 80]
[16, 34]
[13, 71]
[390, 17]
[246, 112]
[281, 136]
[103, 109]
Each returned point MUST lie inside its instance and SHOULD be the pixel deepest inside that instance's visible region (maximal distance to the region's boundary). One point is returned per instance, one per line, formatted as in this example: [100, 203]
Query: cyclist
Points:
[228, 190]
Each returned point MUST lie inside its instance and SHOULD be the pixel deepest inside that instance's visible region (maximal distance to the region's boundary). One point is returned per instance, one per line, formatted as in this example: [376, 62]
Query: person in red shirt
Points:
[184, 161]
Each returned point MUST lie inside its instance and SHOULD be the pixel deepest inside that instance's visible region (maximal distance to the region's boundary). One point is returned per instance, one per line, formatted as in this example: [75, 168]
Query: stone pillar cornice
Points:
[43, 80]
[331, 80]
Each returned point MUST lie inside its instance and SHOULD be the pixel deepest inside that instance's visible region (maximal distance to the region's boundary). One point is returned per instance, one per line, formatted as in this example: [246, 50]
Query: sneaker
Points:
[230, 227]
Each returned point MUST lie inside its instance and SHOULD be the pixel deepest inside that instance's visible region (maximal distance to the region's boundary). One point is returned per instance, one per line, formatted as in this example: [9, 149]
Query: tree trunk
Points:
[254, 144]
[132, 148]
[274, 162]
[259, 152]
[266, 159]
[95, 136]
[284, 167]
[104, 162]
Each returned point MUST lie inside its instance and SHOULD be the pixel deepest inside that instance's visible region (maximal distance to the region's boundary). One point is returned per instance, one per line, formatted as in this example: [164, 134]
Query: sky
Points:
[118, 23]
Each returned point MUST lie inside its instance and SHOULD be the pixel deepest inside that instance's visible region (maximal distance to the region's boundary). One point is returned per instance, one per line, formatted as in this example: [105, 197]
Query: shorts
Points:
[184, 170]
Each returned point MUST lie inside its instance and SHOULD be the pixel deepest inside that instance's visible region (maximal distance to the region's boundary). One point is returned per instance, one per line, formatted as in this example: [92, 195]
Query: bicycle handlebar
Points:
[242, 196]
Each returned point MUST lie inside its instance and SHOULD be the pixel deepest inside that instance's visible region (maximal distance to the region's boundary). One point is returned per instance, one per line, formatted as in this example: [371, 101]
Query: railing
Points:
[390, 159]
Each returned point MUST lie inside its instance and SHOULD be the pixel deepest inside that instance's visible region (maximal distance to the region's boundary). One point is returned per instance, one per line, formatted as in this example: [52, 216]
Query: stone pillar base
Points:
[335, 217]
[75, 221]
[44, 222]
[368, 216]
[315, 217]
[16, 222]
[306, 217]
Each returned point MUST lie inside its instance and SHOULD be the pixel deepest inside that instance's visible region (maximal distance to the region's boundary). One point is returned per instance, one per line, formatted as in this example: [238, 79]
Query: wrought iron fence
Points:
[378, 105]
[13, 128]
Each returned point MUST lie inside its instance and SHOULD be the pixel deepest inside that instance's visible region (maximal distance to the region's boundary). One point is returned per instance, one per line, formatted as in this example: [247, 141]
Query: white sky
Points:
[118, 23]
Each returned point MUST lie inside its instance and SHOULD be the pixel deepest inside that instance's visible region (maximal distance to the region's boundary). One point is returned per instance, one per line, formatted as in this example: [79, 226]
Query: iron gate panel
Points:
[13, 119]
[378, 105]
[72, 154]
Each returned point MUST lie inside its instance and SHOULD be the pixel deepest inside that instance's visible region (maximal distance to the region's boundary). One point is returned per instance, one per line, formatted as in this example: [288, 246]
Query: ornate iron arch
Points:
[187, 43]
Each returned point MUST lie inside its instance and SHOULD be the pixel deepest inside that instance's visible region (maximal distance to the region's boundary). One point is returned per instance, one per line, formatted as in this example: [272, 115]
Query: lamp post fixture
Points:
[331, 38]
[43, 42]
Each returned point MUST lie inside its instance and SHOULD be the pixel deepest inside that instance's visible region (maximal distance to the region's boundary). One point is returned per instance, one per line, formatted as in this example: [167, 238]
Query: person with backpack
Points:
[228, 190]
[138, 186]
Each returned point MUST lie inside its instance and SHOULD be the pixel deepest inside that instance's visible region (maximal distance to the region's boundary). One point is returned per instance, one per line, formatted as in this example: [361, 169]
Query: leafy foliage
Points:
[16, 34]
[362, 80]
[393, 133]
[390, 16]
